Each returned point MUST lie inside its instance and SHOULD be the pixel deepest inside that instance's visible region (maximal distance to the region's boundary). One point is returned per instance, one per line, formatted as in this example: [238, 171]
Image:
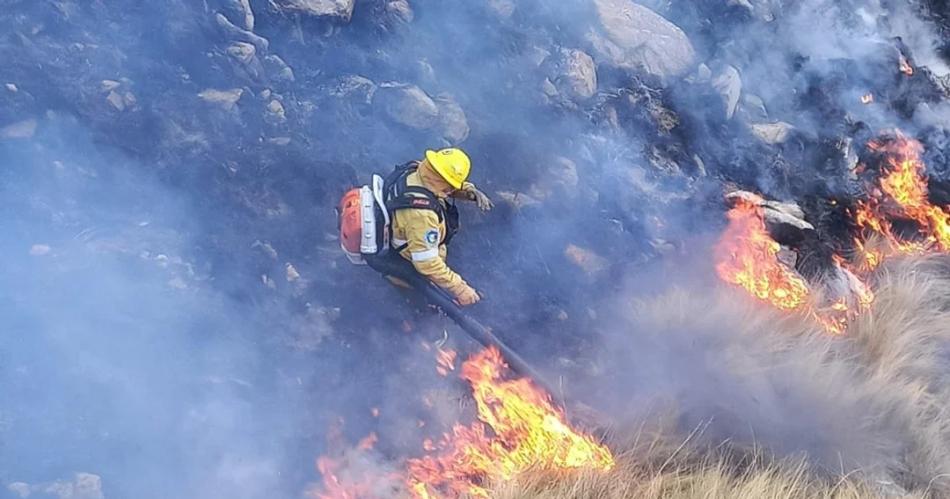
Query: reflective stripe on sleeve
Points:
[421, 256]
[398, 242]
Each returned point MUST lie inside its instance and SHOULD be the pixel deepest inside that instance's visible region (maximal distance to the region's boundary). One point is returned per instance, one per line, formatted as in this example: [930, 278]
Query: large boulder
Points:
[338, 10]
[635, 38]
[453, 124]
[728, 85]
[574, 74]
[407, 105]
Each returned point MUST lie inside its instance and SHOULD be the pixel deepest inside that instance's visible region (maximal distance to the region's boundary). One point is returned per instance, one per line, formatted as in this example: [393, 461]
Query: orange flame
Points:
[747, 257]
[519, 428]
[903, 184]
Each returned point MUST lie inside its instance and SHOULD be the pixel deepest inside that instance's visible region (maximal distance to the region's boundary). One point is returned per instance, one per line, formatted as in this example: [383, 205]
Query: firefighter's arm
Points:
[471, 193]
[423, 246]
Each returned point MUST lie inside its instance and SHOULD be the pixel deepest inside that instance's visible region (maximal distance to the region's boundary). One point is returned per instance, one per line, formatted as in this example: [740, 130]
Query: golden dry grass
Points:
[881, 392]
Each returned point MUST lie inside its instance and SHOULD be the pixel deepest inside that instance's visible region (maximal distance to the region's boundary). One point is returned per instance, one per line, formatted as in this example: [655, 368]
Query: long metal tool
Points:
[475, 329]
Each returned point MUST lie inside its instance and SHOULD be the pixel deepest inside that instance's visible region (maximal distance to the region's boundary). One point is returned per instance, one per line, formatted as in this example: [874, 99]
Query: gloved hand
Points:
[467, 296]
[481, 199]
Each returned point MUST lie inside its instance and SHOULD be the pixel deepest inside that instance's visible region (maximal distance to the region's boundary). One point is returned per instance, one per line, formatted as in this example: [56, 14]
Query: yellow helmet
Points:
[452, 164]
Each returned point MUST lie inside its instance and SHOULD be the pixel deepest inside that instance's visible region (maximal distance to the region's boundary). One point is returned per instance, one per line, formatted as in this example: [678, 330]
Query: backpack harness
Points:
[366, 213]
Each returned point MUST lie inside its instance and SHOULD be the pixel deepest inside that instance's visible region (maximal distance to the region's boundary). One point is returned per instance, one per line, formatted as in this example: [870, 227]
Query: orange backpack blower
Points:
[364, 222]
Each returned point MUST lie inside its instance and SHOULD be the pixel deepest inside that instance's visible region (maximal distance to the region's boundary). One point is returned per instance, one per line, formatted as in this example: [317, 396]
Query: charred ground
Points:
[187, 156]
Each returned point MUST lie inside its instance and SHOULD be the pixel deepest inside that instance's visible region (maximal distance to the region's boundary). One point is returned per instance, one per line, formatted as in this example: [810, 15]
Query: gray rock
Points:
[278, 70]
[225, 99]
[576, 74]
[453, 125]
[635, 38]
[274, 113]
[355, 88]
[559, 177]
[407, 105]
[235, 33]
[243, 52]
[501, 8]
[752, 109]
[775, 213]
[399, 12]
[20, 130]
[772, 133]
[728, 84]
[239, 11]
[338, 10]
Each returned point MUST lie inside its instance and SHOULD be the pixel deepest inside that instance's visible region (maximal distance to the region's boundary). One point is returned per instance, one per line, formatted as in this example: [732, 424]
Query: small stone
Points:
[20, 130]
[242, 51]
[266, 248]
[586, 259]
[502, 8]
[108, 85]
[40, 250]
[399, 11]
[235, 32]
[116, 101]
[340, 10]
[278, 69]
[292, 274]
[223, 98]
[275, 112]
[753, 108]
[772, 133]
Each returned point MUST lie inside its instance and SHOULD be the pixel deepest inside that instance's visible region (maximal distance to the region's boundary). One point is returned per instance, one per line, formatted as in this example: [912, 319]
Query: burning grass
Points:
[877, 399]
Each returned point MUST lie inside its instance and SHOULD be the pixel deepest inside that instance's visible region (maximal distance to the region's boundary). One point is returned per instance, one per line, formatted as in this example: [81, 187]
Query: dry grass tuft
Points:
[774, 407]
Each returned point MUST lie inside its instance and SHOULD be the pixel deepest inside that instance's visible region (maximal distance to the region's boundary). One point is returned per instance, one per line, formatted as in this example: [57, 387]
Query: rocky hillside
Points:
[183, 322]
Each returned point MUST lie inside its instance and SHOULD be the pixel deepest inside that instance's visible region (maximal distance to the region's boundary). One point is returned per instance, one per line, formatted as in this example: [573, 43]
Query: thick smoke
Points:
[183, 324]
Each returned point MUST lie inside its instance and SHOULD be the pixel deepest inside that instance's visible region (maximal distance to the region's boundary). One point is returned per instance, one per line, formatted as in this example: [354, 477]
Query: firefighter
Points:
[424, 217]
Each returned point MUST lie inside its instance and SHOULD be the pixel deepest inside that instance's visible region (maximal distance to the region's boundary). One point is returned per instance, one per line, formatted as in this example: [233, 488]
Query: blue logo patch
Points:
[432, 237]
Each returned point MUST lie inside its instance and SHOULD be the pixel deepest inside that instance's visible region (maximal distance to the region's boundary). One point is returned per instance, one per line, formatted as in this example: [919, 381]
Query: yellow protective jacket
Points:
[423, 234]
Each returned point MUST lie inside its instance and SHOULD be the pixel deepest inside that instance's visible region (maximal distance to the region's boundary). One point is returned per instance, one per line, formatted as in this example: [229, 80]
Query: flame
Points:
[747, 257]
[354, 474]
[905, 66]
[867, 98]
[519, 428]
[904, 186]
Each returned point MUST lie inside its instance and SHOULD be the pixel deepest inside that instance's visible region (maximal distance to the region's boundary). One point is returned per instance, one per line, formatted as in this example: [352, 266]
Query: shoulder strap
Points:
[400, 196]
[424, 201]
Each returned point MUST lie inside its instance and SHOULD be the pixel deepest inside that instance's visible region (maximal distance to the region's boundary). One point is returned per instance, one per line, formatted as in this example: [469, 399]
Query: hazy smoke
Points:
[181, 323]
